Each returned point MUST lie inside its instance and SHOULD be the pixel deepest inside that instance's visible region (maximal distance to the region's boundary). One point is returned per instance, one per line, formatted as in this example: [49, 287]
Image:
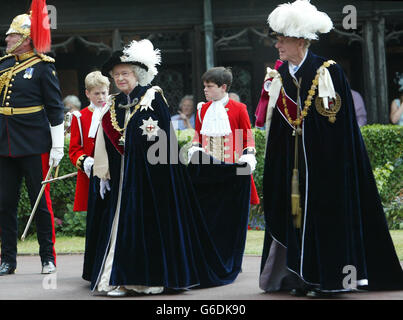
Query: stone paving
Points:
[67, 284]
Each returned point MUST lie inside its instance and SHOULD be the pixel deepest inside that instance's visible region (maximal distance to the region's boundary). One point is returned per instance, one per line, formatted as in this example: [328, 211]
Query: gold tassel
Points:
[295, 200]
[295, 195]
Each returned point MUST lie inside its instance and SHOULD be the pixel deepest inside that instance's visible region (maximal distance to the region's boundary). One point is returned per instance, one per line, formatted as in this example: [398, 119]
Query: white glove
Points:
[249, 159]
[88, 163]
[57, 151]
[192, 150]
[103, 186]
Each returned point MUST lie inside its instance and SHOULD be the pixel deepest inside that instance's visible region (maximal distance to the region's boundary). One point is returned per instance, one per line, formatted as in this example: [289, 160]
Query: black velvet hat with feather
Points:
[140, 54]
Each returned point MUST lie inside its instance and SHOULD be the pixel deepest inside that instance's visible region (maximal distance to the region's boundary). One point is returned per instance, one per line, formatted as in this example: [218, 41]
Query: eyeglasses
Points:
[124, 74]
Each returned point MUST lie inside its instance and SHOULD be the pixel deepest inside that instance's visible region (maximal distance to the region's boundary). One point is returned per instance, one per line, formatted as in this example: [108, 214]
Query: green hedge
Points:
[385, 149]
[384, 143]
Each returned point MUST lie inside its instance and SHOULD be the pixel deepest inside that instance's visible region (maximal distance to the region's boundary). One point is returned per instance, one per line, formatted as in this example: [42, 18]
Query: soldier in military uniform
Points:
[31, 125]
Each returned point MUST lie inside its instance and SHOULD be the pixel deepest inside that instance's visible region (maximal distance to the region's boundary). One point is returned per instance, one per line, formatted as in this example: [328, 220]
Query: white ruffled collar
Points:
[216, 122]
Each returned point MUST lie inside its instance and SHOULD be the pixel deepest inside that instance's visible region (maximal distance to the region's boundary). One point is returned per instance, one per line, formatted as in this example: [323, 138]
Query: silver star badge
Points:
[150, 127]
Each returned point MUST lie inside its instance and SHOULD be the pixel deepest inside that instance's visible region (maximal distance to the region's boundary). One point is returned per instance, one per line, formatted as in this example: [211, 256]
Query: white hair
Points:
[186, 97]
[73, 100]
[141, 75]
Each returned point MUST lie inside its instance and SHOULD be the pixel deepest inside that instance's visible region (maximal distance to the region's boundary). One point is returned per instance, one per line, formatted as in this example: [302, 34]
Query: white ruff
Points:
[216, 122]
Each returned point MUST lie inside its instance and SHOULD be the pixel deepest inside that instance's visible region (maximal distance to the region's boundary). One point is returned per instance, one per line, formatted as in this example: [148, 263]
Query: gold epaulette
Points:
[46, 58]
[5, 57]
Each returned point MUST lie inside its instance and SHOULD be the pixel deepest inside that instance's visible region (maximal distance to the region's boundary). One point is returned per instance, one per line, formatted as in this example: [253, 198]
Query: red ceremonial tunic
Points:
[234, 144]
[77, 153]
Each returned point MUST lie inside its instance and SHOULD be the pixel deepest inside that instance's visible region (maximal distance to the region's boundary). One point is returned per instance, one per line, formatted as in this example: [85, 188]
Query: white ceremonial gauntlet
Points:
[249, 159]
[57, 151]
[88, 163]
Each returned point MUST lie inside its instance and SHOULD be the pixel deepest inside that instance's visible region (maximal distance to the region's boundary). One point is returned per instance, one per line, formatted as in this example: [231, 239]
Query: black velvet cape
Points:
[343, 220]
[179, 227]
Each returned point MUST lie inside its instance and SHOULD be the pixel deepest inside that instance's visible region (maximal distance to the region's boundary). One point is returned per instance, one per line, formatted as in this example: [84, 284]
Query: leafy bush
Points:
[74, 223]
[394, 213]
[384, 143]
[389, 180]
[256, 214]
[385, 149]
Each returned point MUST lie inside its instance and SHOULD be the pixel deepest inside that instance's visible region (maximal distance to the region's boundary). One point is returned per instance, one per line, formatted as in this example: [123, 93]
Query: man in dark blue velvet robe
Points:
[149, 227]
[337, 239]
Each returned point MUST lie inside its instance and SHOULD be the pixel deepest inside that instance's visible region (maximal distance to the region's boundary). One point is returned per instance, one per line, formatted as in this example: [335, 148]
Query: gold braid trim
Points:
[46, 58]
[5, 57]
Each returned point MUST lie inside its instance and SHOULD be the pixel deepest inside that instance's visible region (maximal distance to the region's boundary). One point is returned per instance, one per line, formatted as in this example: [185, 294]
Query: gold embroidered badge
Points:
[334, 107]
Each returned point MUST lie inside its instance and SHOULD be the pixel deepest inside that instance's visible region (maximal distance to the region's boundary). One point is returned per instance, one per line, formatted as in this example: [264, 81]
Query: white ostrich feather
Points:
[143, 51]
[299, 19]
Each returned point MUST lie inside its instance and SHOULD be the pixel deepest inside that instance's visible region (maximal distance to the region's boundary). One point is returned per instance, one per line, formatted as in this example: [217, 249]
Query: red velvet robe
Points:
[76, 151]
[233, 150]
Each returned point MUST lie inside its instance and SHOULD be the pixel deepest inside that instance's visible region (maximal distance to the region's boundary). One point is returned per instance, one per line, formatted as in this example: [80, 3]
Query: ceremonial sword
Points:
[36, 204]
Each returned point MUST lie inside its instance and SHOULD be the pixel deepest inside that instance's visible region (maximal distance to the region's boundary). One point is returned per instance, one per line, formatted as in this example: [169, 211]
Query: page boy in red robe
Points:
[83, 129]
[223, 127]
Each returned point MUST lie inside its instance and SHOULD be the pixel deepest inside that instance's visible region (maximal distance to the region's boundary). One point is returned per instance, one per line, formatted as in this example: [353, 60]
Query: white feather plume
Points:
[143, 51]
[299, 19]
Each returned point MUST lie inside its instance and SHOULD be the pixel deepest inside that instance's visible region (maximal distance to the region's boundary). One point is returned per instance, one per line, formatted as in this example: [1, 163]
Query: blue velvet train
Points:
[179, 226]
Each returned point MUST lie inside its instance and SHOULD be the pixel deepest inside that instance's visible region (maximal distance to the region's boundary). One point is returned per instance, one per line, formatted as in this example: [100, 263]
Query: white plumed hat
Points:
[299, 19]
[143, 52]
[139, 53]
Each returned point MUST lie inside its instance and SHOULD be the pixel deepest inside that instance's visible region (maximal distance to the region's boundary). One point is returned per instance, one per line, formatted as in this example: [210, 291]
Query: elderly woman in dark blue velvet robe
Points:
[326, 229]
[147, 229]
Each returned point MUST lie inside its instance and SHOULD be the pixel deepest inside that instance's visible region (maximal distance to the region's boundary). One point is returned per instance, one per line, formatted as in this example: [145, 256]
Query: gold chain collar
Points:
[114, 120]
[308, 102]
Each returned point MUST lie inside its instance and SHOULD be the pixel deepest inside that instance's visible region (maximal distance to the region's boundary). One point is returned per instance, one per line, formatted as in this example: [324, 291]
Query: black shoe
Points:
[298, 292]
[317, 294]
[6, 268]
[48, 267]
